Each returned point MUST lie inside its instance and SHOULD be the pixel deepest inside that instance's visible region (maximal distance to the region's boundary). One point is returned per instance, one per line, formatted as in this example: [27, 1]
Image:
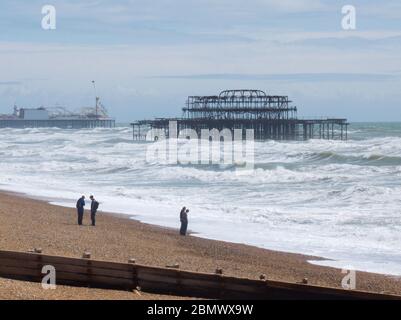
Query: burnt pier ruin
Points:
[270, 117]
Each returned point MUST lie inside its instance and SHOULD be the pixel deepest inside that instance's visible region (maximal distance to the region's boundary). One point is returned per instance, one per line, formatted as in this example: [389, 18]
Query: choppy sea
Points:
[336, 199]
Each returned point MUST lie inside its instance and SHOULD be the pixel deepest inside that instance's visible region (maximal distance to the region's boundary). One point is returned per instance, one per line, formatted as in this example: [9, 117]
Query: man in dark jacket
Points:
[184, 221]
[94, 207]
[80, 209]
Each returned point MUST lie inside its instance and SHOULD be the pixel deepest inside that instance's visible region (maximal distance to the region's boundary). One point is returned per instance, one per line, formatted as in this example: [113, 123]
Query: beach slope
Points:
[26, 224]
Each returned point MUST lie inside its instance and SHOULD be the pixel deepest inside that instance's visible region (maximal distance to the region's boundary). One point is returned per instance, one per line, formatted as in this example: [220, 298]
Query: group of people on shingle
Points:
[80, 209]
[95, 205]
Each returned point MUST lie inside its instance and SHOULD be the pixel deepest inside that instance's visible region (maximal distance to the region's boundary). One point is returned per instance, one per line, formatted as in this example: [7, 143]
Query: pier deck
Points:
[64, 124]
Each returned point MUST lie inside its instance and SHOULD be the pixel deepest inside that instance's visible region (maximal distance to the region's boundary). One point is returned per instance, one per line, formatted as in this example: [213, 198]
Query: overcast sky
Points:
[147, 56]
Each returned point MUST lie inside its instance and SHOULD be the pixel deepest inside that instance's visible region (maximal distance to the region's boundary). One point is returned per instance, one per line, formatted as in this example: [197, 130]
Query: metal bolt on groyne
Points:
[219, 271]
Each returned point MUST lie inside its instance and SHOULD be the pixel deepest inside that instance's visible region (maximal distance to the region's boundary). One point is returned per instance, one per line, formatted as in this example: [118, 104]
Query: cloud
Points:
[297, 77]
[10, 83]
[291, 6]
[352, 42]
[176, 16]
[389, 9]
[129, 46]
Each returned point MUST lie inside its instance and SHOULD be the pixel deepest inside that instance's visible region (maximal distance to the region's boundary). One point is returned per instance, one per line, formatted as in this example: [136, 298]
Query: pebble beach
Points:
[28, 223]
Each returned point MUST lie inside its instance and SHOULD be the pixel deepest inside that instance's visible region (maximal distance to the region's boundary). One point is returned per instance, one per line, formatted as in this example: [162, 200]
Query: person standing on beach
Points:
[184, 221]
[182, 213]
[94, 207]
[80, 209]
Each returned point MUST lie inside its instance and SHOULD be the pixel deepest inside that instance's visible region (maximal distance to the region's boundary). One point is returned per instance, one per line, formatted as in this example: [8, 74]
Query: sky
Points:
[148, 56]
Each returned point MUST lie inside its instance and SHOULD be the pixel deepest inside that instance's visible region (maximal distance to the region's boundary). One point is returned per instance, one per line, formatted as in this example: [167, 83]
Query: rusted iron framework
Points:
[271, 117]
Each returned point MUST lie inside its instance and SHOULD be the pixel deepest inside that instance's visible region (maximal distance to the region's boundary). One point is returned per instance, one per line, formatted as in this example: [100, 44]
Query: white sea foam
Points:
[339, 200]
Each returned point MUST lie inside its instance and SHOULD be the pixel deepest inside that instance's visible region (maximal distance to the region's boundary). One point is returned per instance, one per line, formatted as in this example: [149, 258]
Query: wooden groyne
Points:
[131, 276]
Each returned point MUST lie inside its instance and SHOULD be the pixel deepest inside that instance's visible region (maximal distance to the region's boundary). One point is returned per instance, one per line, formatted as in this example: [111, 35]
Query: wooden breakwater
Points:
[129, 276]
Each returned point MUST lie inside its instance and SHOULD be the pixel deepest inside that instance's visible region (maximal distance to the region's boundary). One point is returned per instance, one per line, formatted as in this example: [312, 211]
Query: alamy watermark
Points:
[348, 21]
[49, 280]
[349, 280]
[49, 17]
[217, 147]
[48, 22]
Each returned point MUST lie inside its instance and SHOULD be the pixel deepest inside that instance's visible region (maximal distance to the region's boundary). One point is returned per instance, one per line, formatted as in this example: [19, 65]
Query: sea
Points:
[340, 200]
